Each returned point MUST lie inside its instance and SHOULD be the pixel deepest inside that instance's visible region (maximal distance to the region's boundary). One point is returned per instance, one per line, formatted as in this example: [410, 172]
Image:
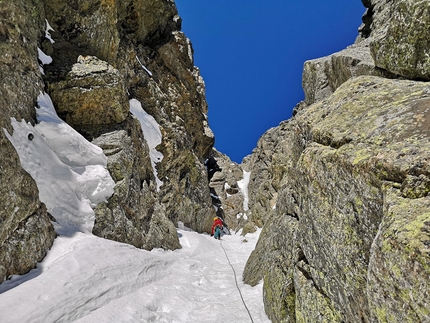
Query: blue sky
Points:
[251, 54]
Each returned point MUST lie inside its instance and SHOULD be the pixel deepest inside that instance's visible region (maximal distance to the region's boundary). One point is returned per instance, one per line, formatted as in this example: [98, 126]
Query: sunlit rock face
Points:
[342, 188]
[400, 44]
[92, 98]
[394, 42]
[105, 54]
[322, 76]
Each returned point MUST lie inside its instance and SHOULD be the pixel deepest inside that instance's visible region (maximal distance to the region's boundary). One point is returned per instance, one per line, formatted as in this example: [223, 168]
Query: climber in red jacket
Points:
[217, 228]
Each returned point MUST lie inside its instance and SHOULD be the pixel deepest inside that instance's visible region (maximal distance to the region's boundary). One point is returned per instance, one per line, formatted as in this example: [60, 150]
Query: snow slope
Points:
[69, 171]
[89, 279]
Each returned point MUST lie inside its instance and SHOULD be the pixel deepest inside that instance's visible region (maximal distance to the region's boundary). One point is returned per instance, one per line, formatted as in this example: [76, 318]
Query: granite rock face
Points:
[322, 76]
[352, 213]
[400, 44]
[342, 188]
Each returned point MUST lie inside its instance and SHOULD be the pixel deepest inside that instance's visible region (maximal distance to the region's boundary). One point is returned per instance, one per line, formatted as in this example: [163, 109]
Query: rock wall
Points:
[26, 232]
[105, 54]
[227, 195]
[400, 44]
[349, 176]
[146, 57]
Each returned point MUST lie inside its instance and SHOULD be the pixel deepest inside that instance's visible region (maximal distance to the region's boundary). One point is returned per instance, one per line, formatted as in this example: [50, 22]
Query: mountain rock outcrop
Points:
[342, 188]
[400, 44]
[142, 55]
[26, 232]
[227, 192]
[106, 55]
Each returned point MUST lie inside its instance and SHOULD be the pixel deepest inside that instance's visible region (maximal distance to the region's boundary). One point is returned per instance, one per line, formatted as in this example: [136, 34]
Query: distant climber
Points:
[212, 167]
[217, 228]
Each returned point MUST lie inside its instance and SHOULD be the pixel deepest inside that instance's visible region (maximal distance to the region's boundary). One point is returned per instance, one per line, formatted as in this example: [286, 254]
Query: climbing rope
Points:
[237, 285]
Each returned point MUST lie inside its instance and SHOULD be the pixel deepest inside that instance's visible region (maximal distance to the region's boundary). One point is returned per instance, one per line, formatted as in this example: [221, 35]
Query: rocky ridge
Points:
[342, 188]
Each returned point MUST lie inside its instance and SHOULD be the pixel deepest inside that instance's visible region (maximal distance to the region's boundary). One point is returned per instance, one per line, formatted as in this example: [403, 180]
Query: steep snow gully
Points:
[89, 279]
[85, 278]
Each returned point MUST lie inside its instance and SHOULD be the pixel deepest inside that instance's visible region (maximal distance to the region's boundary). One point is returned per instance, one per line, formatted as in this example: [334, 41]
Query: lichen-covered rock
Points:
[356, 180]
[92, 98]
[345, 183]
[311, 305]
[267, 165]
[133, 213]
[22, 215]
[322, 76]
[175, 98]
[98, 27]
[353, 170]
[393, 42]
[162, 233]
[27, 244]
[398, 35]
[273, 261]
[399, 265]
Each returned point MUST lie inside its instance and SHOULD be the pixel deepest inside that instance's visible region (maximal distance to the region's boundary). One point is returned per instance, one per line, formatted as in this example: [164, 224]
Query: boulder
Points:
[92, 98]
[398, 36]
[322, 76]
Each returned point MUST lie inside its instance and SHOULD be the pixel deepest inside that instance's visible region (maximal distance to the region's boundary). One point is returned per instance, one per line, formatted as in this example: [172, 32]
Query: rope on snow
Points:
[237, 285]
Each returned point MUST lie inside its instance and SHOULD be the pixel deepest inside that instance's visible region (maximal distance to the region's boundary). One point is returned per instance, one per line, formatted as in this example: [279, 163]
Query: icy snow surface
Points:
[47, 32]
[143, 66]
[86, 279]
[243, 185]
[69, 171]
[45, 59]
[151, 132]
